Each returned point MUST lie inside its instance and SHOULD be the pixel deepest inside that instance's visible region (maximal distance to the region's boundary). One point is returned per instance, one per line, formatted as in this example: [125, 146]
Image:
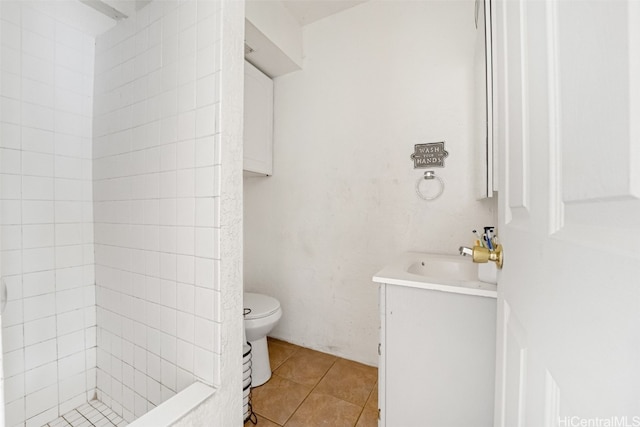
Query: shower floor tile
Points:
[91, 414]
[313, 389]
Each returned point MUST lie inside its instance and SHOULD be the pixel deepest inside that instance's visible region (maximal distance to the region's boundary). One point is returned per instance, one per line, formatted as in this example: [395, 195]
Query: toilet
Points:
[262, 313]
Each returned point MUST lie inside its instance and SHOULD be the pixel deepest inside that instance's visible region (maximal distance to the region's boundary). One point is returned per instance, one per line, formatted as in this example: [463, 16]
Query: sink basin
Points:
[447, 273]
[445, 268]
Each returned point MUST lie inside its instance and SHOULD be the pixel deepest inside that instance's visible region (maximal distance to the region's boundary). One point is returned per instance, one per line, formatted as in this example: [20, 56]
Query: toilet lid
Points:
[260, 305]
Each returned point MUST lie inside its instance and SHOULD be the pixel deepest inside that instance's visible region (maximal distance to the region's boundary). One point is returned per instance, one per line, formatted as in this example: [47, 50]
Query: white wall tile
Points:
[38, 22]
[72, 386]
[12, 338]
[168, 347]
[39, 330]
[185, 357]
[42, 400]
[11, 262]
[70, 344]
[37, 188]
[68, 256]
[39, 307]
[37, 164]
[10, 85]
[10, 161]
[37, 45]
[68, 300]
[68, 167]
[205, 272]
[10, 110]
[38, 116]
[14, 414]
[40, 354]
[69, 234]
[207, 62]
[37, 235]
[205, 242]
[38, 259]
[35, 92]
[37, 212]
[70, 321]
[10, 212]
[38, 140]
[13, 314]
[39, 283]
[67, 211]
[38, 69]
[14, 362]
[10, 136]
[11, 34]
[203, 361]
[41, 377]
[13, 388]
[185, 297]
[11, 188]
[204, 303]
[11, 237]
[154, 238]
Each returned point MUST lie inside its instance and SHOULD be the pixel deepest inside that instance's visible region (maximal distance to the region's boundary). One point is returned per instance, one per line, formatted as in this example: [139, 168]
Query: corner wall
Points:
[377, 79]
[49, 325]
[157, 180]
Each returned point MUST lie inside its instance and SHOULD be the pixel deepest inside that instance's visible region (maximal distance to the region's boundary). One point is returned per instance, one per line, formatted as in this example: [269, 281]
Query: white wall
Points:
[157, 180]
[377, 79]
[49, 333]
[224, 408]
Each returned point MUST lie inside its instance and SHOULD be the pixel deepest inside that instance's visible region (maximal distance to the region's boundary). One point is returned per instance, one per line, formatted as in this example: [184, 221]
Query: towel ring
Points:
[429, 175]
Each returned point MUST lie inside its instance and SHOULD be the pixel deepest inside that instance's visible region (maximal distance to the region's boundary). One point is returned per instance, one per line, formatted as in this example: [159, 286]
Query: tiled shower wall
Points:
[49, 333]
[156, 192]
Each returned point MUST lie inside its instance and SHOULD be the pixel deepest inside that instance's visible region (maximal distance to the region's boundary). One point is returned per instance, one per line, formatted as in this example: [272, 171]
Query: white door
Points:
[568, 127]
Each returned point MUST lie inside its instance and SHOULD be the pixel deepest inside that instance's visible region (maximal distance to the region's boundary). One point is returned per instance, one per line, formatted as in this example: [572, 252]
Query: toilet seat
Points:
[260, 305]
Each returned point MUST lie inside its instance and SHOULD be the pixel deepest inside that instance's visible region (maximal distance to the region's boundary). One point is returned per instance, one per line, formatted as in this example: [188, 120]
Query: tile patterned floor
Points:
[91, 414]
[313, 389]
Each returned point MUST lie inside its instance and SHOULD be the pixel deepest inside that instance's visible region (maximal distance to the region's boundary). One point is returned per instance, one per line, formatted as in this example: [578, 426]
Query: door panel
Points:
[567, 95]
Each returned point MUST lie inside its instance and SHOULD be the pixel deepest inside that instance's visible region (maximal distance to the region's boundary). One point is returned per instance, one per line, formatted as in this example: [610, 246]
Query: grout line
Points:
[312, 389]
[317, 383]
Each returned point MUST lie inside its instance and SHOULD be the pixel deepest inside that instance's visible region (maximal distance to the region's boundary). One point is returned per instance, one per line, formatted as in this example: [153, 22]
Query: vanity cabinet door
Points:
[437, 358]
[258, 121]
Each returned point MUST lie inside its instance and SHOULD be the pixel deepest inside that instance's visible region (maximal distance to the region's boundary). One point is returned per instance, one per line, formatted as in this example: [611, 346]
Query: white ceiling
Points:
[79, 15]
[87, 19]
[308, 11]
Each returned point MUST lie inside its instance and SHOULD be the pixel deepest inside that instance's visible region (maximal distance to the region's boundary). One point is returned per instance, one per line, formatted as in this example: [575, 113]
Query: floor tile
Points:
[368, 418]
[262, 422]
[372, 402]
[321, 410]
[306, 366]
[279, 352]
[278, 398]
[90, 414]
[350, 381]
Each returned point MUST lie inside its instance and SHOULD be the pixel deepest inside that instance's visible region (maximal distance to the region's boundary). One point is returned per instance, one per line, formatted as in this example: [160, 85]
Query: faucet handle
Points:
[465, 251]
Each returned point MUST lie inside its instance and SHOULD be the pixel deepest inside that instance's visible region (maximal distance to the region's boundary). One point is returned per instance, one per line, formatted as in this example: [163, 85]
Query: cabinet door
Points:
[439, 358]
[258, 121]
[486, 173]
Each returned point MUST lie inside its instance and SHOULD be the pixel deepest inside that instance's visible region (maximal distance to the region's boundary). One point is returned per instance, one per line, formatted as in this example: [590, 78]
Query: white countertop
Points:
[446, 273]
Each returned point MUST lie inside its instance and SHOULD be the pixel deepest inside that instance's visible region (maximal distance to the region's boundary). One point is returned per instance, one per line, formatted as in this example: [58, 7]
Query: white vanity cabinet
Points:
[258, 121]
[437, 352]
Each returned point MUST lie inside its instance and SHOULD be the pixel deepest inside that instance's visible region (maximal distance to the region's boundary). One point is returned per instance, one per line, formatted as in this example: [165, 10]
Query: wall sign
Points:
[429, 155]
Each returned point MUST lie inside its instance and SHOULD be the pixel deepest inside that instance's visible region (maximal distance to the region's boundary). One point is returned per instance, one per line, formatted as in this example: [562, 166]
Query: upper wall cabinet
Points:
[258, 121]
[486, 155]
